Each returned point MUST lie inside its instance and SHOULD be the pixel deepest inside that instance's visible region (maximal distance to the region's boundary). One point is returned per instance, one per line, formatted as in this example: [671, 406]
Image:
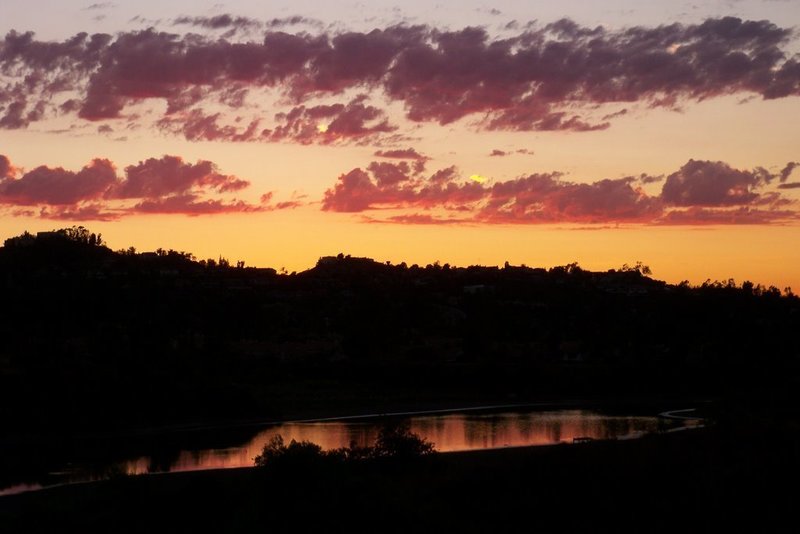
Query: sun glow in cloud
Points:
[478, 178]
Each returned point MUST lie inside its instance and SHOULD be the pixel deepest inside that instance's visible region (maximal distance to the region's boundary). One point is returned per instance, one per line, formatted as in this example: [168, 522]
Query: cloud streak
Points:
[218, 22]
[166, 185]
[699, 193]
[542, 78]
[331, 124]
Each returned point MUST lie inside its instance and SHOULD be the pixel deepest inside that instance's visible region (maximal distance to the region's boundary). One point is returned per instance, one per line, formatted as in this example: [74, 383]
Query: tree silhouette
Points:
[397, 441]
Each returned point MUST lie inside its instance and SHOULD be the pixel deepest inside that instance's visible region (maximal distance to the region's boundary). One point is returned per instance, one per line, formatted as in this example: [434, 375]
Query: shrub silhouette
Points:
[395, 441]
[276, 454]
[353, 453]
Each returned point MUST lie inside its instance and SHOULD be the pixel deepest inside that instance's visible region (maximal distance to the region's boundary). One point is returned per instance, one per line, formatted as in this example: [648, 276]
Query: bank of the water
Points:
[450, 429]
[691, 481]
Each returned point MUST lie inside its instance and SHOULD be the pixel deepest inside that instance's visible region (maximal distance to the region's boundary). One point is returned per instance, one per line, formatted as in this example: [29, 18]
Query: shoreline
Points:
[575, 488]
[26, 487]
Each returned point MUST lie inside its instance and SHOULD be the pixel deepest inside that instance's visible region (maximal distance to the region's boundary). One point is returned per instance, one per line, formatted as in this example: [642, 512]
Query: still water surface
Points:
[449, 432]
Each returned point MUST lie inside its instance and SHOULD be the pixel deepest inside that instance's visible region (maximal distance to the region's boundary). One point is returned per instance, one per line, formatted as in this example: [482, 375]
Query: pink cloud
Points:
[391, 184]
[389, 174]
[293, 21]
[155, 178]
[405, 153]
[327, 124]
[541, 78]
[322, 124]
[614, 115]
[708, 183]
[354, 191]
[157, 185]
[419, 160]
[294, 202]
[195, 125]
[189, 204]
[787, 170]
[219, 22]
[548, 198]
[701, 192]
[419, 218]
[90, 212]
[645, 178]
[57, 186]
[697, 216]
[6, 169]
[287, 205]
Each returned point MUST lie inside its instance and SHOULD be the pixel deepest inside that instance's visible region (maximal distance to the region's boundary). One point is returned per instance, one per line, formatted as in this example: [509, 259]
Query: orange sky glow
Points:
[276, 136]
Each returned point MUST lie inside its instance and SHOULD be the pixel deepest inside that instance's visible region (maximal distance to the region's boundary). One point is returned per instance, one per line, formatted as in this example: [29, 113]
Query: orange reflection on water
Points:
[453, 432]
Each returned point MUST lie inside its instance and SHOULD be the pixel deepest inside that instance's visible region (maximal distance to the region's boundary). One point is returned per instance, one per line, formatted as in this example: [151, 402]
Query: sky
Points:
[539, 132]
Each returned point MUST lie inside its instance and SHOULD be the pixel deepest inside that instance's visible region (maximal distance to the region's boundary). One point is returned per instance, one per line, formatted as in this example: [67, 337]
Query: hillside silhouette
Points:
[95, 338]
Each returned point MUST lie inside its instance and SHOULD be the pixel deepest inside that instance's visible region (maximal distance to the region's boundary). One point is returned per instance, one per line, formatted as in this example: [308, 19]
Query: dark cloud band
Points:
[96, 192]
[700, 192]
[546, 78]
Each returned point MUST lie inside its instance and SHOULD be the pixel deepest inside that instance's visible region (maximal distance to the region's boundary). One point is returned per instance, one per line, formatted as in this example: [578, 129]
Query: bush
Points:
[276, 454]
[394, 441]
[397, 441]
[353, 453]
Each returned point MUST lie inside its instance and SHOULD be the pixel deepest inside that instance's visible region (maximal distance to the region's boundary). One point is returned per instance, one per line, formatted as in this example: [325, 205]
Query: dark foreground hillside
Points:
[99, 340]
[697, 481]
[99, 346]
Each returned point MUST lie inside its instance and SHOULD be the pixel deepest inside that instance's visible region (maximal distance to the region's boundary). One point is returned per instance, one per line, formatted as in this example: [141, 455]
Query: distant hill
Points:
[90, 334]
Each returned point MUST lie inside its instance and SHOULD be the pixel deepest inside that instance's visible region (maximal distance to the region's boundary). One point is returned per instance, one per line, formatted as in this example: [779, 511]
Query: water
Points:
[448, 432]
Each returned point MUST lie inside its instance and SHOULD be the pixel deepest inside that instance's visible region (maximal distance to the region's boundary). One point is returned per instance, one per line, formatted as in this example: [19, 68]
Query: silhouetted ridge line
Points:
[102, 339]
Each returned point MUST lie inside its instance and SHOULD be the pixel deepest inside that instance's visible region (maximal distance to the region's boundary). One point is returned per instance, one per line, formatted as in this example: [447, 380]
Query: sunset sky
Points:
[466, 132]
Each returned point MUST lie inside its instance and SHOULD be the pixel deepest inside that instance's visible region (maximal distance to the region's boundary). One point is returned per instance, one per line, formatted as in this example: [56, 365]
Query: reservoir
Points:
[449, 431]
